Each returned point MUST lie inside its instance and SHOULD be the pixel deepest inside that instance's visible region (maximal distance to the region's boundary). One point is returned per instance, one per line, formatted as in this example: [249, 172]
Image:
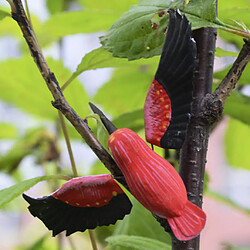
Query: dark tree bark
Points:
[194, 150]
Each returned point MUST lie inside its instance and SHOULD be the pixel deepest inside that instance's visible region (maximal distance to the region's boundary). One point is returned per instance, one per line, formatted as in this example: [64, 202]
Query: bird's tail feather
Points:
[189, 224]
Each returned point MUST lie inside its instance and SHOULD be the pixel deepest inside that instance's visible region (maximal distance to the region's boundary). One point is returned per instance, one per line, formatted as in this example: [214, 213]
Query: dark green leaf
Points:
[136, 242]
[140, 31]
[3, 14]
[237, 144]
[10, 193]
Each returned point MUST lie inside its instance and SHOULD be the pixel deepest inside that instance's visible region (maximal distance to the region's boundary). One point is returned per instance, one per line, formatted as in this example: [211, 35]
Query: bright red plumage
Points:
[88, 191]
[156, 184]
[157, 113]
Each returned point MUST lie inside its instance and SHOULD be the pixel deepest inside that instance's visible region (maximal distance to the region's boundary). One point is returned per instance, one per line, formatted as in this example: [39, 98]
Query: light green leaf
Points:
[29, 143]
[7, 131]
[244, 79]
[237, 144]
[101, 58]
[238, 106]
[136, 242]
[23, 86]
[140, 222]
[221, 52]
[233, 10]
[10, 193]
[102, 133]
[227, 201]
[136, 34]
[38, 244]
[126, 91]
[83, 21]
[133, 120]
[55, 6]
[121, 5]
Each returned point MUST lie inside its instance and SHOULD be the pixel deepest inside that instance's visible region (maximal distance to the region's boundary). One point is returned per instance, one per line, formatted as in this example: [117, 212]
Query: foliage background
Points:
[30, 130]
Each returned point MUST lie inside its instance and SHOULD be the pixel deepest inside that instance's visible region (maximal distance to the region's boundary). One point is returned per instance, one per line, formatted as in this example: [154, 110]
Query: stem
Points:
[67, 140]
[60, 102]
[234, 74]
[194, 150]
[92, 238]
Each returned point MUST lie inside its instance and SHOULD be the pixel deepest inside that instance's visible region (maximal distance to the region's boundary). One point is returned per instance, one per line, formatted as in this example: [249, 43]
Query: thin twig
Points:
[67, 140]
[234, 74]
[213, 104]
[92, 239]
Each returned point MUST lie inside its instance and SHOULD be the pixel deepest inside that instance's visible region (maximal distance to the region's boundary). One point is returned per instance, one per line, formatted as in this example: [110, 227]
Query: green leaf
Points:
[136, 242]
[137, 33]
[3, 14]
[83, 21]
[244, 79]
[237, 144]
[233, 10]
[133, 120]
[227, 201]
[38, 244]
[125, 82]
[101, 58]
[140, 222]
[102, 133]
[55, 6]
[10, 193]
[38, 138]
[237, 106]
[27, 90]
[221, 53]
[121, 5]
[7, 131]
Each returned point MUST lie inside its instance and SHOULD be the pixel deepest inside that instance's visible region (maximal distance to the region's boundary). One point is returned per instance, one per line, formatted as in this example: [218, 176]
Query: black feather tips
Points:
[59, 216]
[175, 74]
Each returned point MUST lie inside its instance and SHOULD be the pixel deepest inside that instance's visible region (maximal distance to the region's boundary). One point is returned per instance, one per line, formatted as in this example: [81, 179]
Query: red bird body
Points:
[88, 191]
[156, 184]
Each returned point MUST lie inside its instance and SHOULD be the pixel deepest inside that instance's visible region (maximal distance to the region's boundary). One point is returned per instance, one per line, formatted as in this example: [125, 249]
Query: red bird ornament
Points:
[167, 107]
[81, 203]
[156, 184]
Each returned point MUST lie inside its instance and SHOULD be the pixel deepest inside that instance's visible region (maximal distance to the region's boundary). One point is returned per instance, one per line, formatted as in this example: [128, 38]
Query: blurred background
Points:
[31, 142]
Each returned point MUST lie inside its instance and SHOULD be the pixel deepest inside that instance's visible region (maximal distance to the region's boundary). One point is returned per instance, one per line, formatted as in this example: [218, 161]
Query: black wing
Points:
[59, 216]
[175, 75]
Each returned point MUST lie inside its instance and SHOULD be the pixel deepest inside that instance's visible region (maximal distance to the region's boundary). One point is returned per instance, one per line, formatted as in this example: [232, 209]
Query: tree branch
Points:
[194, 150]
[212, 105]
[60, 102]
